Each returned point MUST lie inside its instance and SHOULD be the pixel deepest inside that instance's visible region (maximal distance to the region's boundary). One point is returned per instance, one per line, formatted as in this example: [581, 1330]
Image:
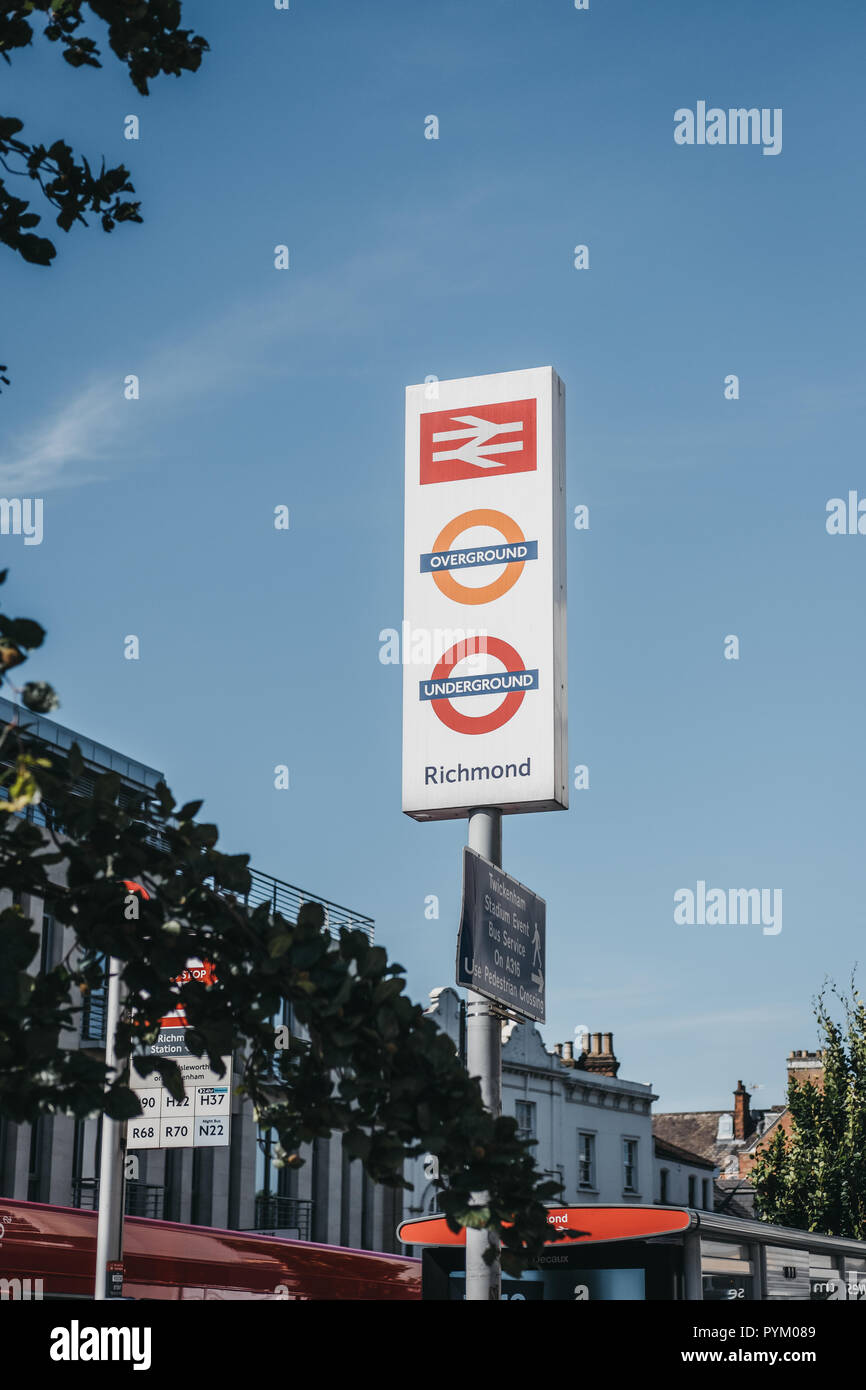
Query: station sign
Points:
[501, 941]
[484, 660]
[585, 1224]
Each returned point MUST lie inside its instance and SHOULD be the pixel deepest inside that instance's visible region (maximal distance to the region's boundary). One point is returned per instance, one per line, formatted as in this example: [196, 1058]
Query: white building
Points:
[683, 1179]
[593, 1129]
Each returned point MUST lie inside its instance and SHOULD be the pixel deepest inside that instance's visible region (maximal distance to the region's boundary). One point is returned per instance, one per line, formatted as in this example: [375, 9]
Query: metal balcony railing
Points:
[139, 780]
[286, 899]
[281, 897]
[142, 1198]
[284, 1214]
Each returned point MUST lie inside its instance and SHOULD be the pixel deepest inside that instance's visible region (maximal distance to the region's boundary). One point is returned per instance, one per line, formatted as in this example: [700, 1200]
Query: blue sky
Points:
[454, 257]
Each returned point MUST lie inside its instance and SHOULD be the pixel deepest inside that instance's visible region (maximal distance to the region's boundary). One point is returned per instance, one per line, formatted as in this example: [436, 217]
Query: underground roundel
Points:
[513, 683]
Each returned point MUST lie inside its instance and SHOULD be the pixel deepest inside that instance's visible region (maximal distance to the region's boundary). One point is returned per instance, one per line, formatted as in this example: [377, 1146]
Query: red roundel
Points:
[478, 723]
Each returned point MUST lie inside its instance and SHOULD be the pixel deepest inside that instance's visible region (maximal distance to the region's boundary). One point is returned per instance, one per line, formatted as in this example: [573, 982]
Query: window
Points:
[855, 1274]
[320, 1175]
[40, 1160]
[692, 1190]
[283, 1023]
[629, 1165]
[46, 952]
[86, 1144]
[524, 1111]
[826, 1281]
[705, 1193]
[346, 1195]
[172, 1179]
[663, 1185]
[5, 1150]
[93, 1014]
[586, 1160]
[202, 1187]
[368, 1239]
[728, 1271]
[272, 1181]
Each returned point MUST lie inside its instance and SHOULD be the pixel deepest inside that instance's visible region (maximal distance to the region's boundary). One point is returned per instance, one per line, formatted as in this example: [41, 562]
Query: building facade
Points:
[593, 1130]
[683, 1179]
[56, 1160]
[732, 1139]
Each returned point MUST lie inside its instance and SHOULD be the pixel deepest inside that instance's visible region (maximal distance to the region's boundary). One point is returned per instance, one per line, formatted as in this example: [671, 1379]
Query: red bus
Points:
[49, 1252]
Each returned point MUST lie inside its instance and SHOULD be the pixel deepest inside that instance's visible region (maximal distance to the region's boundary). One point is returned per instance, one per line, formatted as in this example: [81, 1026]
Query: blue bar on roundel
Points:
[498, 683]
[507, 552]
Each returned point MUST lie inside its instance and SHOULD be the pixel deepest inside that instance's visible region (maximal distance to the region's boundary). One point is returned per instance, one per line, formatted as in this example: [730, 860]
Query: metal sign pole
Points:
[109, 1230]
[484, 1060]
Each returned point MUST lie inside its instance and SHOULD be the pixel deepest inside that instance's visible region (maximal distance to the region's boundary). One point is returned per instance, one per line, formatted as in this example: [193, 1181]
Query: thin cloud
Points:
[72, 435]
[757, 1018]
[77, 441]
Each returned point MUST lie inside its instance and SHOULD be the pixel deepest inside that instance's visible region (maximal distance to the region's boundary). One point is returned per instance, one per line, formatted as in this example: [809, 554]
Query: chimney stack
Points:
[599, 1057]
[742, 1115]
[806, 1066]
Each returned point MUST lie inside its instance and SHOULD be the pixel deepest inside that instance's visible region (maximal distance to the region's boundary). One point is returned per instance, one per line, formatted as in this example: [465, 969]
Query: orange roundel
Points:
[481, 516]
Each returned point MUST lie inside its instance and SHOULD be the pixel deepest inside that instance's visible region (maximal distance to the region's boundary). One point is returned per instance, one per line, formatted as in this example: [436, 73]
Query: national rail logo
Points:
[443, 560]
[478, 441]
[513, 682]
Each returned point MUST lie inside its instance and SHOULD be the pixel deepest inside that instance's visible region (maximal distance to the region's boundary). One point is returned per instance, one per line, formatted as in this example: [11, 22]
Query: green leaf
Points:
[311, 915]
[475, 1219]
[23, 631]
[387, 989]
[121, 1103]
[376, 962]
[357, 1144]
[75, 762]
[39, 697]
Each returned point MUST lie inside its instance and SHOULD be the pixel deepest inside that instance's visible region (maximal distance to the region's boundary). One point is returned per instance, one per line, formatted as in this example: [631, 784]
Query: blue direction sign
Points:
[500, 945]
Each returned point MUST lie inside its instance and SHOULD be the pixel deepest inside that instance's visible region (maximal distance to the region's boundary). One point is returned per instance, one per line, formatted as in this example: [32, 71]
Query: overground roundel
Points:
[484, 723]
[481, 516]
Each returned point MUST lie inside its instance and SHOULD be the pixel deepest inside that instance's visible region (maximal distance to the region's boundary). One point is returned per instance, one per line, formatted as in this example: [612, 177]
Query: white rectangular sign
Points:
[201, 1119]
[484, 656]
